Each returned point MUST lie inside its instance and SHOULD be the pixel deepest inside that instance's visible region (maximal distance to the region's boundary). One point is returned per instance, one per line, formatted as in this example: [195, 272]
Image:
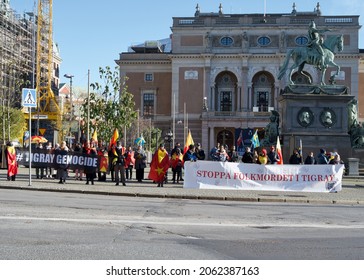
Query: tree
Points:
[12, 123]
[111, 105]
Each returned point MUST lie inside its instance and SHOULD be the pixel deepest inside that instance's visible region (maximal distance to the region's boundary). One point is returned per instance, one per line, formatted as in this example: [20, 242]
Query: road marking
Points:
[172, 222]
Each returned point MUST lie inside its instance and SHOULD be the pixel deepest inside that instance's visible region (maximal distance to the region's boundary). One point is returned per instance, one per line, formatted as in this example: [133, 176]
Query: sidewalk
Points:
[352, 193]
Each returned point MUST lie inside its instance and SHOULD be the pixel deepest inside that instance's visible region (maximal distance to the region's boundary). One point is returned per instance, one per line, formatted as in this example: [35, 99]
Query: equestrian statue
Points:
[317, 52]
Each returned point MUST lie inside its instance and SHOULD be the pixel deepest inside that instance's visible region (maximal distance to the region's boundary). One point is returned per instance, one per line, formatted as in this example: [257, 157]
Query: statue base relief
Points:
[318, 120]
[316, 89]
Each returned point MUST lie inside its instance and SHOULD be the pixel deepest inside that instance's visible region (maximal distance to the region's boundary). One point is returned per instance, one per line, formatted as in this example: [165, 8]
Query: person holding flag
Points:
[11, 161]
[159, 165]
[111, 154]
[177, 164]
[119, 163]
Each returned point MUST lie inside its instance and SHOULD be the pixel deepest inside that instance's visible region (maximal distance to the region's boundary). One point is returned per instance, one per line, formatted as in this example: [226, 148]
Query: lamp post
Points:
[68, 76]
[88, 105]
[168, 138]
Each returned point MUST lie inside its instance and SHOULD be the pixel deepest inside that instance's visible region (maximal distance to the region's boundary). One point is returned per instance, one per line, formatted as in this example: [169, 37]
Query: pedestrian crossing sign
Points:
[29, 97]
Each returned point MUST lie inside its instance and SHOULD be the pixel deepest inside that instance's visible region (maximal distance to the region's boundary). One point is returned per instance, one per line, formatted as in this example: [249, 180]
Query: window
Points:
[148, 104]
[263, 41]
[226, 41]
[225, 101]
[301, 40]
[262, 100]
[149, 77]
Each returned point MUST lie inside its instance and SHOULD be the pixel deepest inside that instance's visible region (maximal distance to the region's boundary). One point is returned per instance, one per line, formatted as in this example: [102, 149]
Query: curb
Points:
[258, 199]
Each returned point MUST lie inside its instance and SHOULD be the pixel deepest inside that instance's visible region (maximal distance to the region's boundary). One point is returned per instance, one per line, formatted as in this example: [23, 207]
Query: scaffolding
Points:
[16, 48]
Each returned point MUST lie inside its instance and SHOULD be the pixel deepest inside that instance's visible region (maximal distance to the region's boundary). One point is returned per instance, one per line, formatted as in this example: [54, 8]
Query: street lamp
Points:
[68, 76]
[168, 138]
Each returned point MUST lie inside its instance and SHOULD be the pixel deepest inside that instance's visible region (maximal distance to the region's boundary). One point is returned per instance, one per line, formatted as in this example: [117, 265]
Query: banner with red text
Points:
[240, 176]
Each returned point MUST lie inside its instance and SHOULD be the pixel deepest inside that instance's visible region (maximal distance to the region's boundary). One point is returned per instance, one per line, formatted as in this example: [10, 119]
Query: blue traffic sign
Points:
[29, 97]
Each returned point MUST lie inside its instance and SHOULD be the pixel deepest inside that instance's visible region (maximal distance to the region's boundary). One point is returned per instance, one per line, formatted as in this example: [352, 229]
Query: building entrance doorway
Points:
[225, 137]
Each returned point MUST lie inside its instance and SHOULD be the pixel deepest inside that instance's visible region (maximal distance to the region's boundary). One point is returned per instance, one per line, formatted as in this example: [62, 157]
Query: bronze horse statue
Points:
[303, 55]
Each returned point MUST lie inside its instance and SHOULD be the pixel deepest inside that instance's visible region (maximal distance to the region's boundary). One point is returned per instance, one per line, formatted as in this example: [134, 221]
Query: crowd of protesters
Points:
[119, 161]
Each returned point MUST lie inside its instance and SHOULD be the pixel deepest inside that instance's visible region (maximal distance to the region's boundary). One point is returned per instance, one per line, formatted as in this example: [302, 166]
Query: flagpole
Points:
[174, 118]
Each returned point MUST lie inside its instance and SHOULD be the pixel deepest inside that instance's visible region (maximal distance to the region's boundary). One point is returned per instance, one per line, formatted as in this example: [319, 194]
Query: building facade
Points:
[217, 73]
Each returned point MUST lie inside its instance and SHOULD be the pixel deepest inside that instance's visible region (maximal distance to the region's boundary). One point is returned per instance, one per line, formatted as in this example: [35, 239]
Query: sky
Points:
[92, 33]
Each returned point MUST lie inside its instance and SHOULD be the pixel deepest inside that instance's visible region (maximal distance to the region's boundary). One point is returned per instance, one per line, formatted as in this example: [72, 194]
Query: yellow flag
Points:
[94, 136]
[189, 141]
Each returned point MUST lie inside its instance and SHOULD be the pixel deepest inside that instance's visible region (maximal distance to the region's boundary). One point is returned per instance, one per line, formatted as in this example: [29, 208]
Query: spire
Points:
[220, 10]
[197, 13]
[294, 11]
[318, 9]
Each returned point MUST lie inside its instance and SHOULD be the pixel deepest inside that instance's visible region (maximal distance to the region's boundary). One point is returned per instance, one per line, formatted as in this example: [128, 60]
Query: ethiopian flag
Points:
[159, 165]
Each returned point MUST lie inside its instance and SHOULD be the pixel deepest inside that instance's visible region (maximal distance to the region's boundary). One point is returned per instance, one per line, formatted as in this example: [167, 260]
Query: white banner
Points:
[240, 176]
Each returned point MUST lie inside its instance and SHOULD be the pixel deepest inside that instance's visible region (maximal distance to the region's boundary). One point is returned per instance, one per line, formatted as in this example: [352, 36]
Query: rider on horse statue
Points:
[315, 43]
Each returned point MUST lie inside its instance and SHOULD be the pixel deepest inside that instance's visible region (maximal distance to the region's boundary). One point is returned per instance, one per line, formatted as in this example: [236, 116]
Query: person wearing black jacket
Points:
[90, 172]
[248, 156]
[310, 159]
[119, 164]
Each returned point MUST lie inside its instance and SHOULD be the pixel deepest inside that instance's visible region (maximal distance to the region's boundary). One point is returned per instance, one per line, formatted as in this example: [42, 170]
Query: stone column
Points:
[238, 107]
[212, 98]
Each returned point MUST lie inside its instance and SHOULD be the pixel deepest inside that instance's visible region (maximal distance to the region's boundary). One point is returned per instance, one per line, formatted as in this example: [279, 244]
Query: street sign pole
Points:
[29, 99]
[30, 146]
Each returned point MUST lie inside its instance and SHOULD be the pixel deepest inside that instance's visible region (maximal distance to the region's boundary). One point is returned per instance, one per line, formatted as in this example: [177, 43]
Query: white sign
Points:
[191, 75]
[240, 176]
[29, 97]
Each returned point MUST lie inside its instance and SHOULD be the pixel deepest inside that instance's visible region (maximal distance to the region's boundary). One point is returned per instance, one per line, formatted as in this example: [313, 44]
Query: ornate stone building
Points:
[217, 73]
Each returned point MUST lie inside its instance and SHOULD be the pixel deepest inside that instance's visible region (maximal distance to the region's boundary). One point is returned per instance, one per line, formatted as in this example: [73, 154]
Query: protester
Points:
[322, 158]
[176, 165]
[140, 163]
[78, 172]
[190, 154]
[336, 159]
[273, 156]
[222, 154]
[119, 163]
[39, 171]
[200, 153]
[48, 169]
[103, 162]
[111, 157]
[159, 166]
[12, 165]
[233, 155]
[248, 156]
[177, 146]
[62, 167]
[129, 163]
[90, 172]
[295, 158]
[310, 159]
[214, 153]
[263, 157]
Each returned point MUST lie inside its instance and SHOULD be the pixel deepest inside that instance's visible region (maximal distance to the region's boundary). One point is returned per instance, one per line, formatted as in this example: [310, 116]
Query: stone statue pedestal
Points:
[353, 164]
[318, 120]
